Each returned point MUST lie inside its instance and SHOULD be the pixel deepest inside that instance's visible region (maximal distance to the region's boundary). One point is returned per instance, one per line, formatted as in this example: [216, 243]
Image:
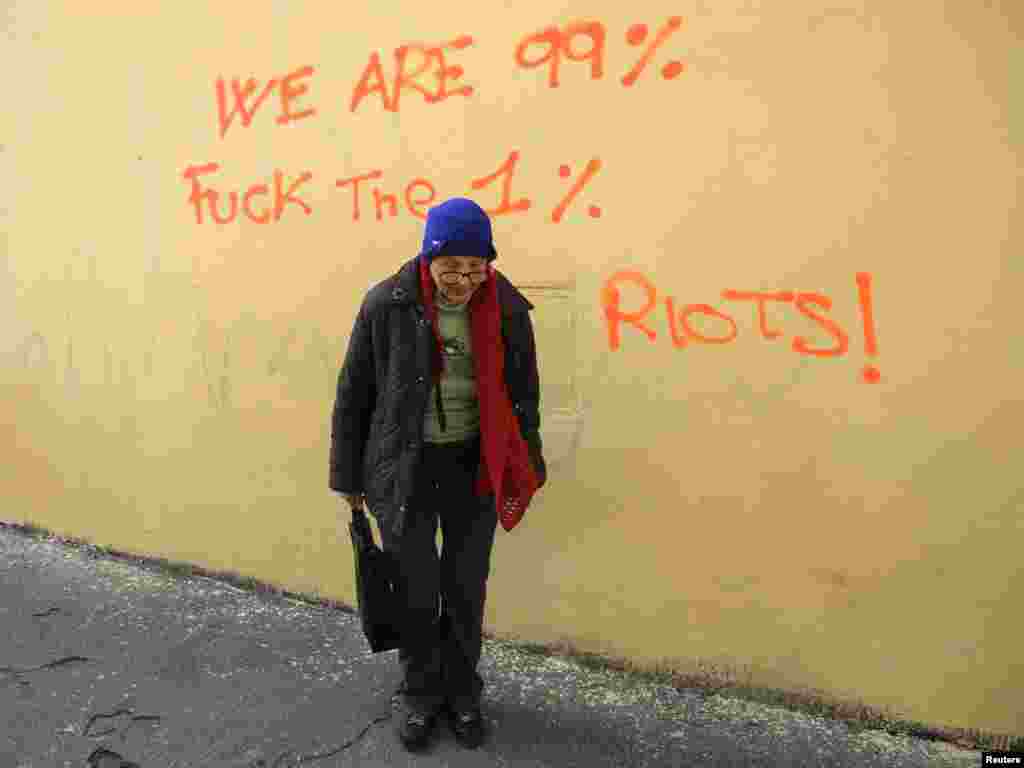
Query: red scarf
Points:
[505, 465]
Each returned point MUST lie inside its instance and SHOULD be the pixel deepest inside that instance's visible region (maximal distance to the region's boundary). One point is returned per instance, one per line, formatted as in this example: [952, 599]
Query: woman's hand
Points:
[355, 500]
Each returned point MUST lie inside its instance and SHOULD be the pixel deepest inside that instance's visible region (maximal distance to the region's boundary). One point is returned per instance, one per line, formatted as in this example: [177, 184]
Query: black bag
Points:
[376, 580]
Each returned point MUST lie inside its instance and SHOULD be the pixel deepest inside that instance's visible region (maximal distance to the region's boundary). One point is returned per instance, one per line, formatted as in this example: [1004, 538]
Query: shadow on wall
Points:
[253, 357]
[303, 362]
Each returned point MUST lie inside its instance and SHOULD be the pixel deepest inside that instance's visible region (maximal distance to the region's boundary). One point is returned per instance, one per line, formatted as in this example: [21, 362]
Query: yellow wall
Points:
[167, 385]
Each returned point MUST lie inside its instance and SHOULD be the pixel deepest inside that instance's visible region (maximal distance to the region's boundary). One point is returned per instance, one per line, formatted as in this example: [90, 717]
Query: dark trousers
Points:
[444, 595]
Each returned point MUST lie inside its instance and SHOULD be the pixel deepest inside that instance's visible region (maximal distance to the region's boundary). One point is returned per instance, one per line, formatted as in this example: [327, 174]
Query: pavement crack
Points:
[48, 612]
[47, 665]
[108, 715]
[298, 759]
[104, 758]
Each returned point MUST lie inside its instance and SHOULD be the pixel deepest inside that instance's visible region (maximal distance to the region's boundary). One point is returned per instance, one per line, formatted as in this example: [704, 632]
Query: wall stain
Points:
[1015, 110]
[72, 378]
[832, 577]
[147, 356]
[742, 390]
[736, 584]
[35, 341]
[864, 20]
[108, 365]
[276, 362]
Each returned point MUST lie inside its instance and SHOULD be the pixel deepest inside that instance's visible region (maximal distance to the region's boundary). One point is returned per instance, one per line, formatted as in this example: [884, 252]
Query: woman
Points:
[437, 417]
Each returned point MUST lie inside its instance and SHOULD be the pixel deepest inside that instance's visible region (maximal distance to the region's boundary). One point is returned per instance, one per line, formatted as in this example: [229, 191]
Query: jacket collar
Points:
[406, 290]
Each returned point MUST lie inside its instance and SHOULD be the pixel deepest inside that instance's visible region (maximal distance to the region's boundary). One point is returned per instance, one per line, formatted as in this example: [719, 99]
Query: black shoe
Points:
[468, 727]
[415, 730]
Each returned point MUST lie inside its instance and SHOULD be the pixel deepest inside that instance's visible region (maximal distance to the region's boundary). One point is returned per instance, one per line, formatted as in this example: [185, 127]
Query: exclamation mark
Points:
[871, 374]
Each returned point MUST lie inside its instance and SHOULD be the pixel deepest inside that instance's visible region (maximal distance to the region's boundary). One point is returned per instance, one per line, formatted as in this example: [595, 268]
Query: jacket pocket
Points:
[388, 444]
[379, 461]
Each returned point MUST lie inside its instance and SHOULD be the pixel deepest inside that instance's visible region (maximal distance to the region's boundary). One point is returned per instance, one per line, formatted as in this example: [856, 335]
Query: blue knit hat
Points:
[457, 227]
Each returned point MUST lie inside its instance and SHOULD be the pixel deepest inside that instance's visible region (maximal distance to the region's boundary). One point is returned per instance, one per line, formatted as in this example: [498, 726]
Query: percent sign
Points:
[507, 171]
[558, 43]
[564, 171]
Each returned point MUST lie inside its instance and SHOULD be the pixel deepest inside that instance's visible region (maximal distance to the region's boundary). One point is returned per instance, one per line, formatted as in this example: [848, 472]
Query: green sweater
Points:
[458, 382]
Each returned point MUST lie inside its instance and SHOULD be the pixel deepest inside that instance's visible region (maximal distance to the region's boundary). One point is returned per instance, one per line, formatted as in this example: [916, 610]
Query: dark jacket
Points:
[385, 382]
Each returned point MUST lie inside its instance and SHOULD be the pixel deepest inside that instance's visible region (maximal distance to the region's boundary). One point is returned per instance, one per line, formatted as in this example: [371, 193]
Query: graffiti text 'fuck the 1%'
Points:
[417, 195]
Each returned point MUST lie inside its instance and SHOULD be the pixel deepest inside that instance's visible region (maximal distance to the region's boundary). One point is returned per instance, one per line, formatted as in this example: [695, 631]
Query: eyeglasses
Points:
[454, 278]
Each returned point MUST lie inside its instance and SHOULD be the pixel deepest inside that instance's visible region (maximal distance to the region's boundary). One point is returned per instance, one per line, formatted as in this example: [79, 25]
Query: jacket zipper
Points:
[437, 389]
[440, 407]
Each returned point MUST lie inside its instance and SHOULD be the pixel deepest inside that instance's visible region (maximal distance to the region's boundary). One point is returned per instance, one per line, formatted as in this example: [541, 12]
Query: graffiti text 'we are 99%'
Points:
[414, 62]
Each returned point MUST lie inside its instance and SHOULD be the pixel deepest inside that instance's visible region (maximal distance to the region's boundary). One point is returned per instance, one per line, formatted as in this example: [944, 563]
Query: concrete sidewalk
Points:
[107, 663]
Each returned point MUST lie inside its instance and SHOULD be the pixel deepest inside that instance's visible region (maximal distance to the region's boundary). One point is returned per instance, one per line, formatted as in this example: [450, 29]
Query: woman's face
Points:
[463, 290]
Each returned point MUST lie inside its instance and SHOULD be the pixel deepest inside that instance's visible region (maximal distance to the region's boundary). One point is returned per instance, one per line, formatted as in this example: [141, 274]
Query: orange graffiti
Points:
[760, 298]
[282, 197]
[374, 81]
[418, 194]
[288, 92]
[871, 374]
[610, 300]
[706, 309]
[506, 205]
[415, 206]
[800, 344]
[681, 332]
[558, 43]
[262, 218]
[416, 62]
[678, 341]
[354, 181]
[507, 202]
